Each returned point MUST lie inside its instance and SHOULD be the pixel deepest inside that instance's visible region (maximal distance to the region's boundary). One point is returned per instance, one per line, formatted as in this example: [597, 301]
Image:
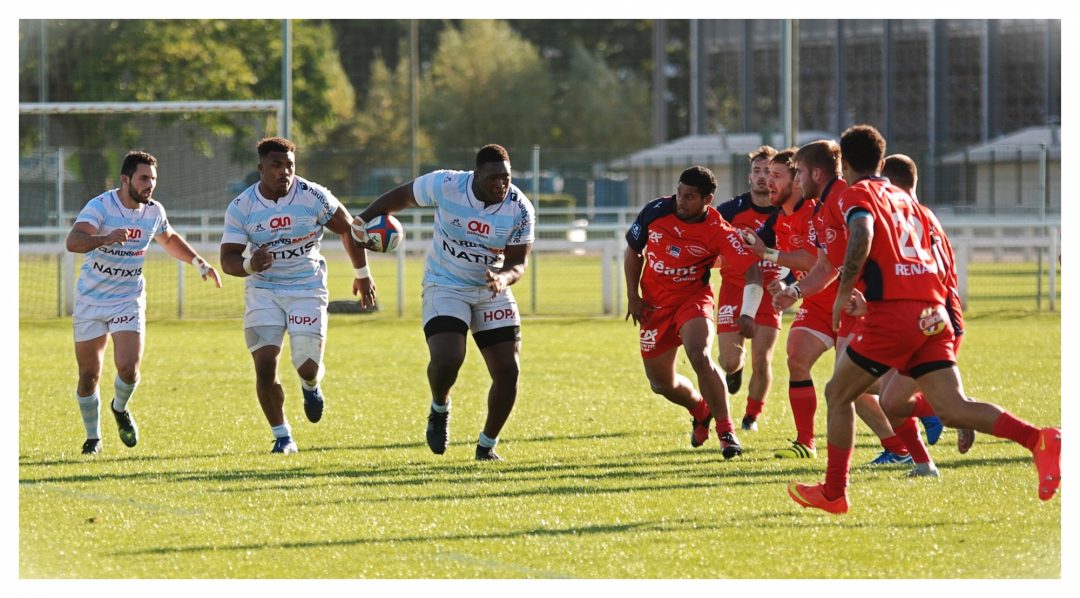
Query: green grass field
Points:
[600, 480]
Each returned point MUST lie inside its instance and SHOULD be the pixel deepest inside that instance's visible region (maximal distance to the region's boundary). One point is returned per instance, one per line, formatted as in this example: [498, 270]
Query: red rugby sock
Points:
[754, 407]
[1017, 430]
[803, 399]
[909, 433]
[836, 472]
[894, 444]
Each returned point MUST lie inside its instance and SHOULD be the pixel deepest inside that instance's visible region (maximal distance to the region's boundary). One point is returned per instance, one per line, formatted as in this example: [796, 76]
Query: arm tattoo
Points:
[858, 248]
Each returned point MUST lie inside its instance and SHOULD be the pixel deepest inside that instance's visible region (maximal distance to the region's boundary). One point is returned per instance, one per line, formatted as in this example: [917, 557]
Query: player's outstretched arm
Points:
[176, 246]
[84, 237]
[363, 283]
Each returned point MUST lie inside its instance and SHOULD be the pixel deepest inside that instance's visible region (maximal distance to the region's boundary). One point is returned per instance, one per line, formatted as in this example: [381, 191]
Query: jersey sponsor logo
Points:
[117, 271]
[123, 319]
[289, 253]
[456, 222]
[697, 250]
[280, 222]
[500, 314]
[122, 252]
[931, 321]
[660, 267]
[478, 228]
[725, 314]
[303, 320]
[674, 250]
[655, 236]
[830, 235]
[259, 227]
[678, 231]
[736, 243]
[134, 234]
[469, 257]
[796, 240]
[648, 340]
[915, 269]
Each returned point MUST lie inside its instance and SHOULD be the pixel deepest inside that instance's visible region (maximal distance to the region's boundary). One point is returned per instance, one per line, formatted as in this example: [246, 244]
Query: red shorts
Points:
[729, 304]
[814, 318]
[912, 336]
[660, 328]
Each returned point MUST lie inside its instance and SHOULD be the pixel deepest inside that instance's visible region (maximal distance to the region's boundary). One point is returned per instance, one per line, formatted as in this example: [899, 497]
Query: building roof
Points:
[1026, 143]
[707, 149]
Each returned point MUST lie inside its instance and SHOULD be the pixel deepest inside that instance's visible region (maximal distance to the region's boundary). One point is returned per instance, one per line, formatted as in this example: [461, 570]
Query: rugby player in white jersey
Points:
[483, 235]
[114, 231]
[280, 220]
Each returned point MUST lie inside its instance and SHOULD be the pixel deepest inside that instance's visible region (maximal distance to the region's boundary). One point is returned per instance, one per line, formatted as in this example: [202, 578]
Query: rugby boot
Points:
[129, 433]
[438, 432]
[729, 445]
[813, 496]
[1047, 455]
[313, 404]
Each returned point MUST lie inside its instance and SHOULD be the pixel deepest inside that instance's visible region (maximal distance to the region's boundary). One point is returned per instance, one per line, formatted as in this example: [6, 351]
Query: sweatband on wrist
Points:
[798, 291]
[364, 272]
[772, 254]
[751, 299]
[247, 266]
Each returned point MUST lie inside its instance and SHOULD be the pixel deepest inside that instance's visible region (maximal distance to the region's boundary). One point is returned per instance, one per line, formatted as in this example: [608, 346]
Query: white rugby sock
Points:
[486, 442]
[123, 393]
[281, 431]
[89, 407]
[437, 408]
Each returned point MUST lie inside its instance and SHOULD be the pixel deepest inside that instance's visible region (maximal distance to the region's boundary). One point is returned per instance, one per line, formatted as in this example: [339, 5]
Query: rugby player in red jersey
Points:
[670, 248]
[817, 174]
[749, 210]
[899, 396]
[906, 327]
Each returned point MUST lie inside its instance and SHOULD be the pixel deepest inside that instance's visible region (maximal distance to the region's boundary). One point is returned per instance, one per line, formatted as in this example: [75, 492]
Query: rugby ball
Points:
[384, 233]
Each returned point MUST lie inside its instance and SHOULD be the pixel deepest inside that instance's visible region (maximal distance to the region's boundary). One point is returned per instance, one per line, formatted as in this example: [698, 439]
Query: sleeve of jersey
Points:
[638, 235]
[426, 188]
[328, 204]
[93, 213]
[234, 230]
[767, 232]
[163, 224]
[729, 209]
[524, 224]
[852, 201]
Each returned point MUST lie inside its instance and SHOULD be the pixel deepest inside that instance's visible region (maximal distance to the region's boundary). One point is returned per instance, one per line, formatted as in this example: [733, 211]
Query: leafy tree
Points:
[598, 109]
[485, 85]
[163, 60]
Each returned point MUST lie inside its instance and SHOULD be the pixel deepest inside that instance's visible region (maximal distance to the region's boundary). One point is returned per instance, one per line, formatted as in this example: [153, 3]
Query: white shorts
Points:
[304, 314]
[474, 306]
[94, 321]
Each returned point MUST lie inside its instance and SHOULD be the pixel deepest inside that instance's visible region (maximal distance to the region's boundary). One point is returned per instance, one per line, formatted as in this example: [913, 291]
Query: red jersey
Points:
[943, 254]
[901, 264]
[829, 234]
[742, 212]
[790, 232]
[678, 254]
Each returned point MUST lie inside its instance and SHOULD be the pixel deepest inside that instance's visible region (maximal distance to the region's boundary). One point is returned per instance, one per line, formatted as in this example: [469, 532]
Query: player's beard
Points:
[137, 197]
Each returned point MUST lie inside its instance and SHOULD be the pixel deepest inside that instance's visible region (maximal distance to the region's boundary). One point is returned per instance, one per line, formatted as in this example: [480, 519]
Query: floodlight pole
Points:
[285, 123]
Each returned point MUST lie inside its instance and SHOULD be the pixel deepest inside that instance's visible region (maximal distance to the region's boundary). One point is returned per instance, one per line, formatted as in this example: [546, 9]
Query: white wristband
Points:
[751, 299]
[773, 255]
[201, 264]
[797, 290]
[364, 272]
[247, 265]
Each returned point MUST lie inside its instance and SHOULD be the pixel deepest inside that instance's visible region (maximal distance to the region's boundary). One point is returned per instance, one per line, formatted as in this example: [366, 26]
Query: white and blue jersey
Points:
[469, 237]
[291, 228]
[113, 274]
